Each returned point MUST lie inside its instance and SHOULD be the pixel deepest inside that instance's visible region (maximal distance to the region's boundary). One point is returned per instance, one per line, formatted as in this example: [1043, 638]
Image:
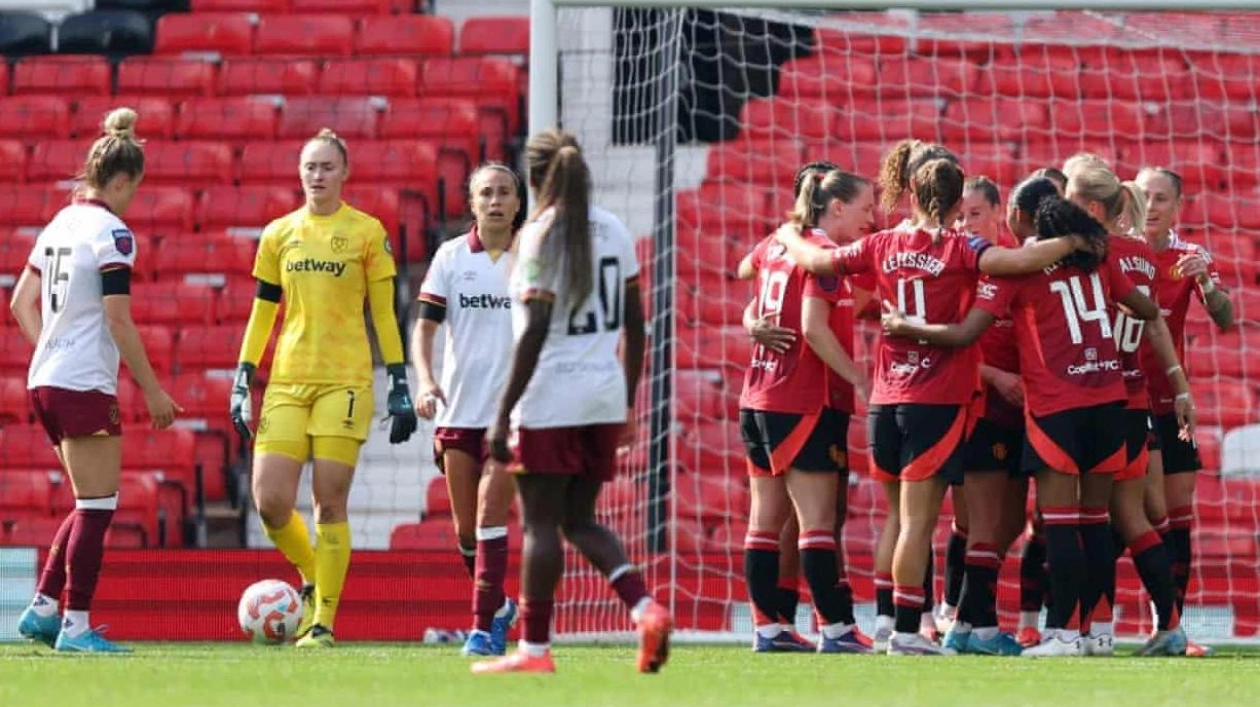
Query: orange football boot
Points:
[655, 625]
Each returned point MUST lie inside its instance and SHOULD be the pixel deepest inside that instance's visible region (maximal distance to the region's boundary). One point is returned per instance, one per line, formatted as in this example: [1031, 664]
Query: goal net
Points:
[695, 122]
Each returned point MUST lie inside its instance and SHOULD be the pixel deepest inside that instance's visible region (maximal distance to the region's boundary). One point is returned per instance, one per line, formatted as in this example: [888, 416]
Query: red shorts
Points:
[76, 413]
[588, 450]
[470, 441]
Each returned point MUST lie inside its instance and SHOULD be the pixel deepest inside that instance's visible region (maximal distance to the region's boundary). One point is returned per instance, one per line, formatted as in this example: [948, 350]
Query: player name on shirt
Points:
[921, 261]
[1135, 263]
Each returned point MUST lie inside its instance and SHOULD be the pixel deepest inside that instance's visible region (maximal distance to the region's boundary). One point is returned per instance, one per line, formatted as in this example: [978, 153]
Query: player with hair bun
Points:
[1184, 269]
[575, 292]
[467, 288]
[794, 413]
[922, 393]
[323, 260]
[73, 303]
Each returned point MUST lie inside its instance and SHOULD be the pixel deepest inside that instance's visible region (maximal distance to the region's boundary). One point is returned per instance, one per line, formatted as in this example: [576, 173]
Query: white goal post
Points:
[831, 87]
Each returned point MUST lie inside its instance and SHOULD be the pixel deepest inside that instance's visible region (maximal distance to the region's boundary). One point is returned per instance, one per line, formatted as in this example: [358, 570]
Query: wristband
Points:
[1173, 369]
[1182, 396]
[1208, 286]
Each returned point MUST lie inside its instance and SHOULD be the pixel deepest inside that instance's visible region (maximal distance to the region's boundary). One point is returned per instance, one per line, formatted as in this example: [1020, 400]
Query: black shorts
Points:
[994, 447]
[778, 441]
[1180, 456]
[915, 442]
[1077, 441]
[1138, 430]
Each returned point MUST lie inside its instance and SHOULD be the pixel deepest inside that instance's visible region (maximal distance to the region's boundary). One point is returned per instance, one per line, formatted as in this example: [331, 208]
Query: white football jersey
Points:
[75, 349]
[579, 379]
[473, 289]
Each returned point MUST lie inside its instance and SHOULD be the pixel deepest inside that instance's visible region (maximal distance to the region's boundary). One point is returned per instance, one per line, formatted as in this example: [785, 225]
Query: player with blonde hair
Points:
[73, 302]
[323, 260]
[467, 288]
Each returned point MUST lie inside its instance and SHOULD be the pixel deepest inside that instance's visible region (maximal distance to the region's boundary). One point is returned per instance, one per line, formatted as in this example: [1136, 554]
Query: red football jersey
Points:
[796, 380]
[1067, 352]
[839, 390]
[1136, 260]
[1174, 302]
[999, 350]
[930, 280]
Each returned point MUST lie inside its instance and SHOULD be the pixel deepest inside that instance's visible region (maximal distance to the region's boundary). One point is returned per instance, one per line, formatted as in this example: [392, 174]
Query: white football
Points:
[269, 611]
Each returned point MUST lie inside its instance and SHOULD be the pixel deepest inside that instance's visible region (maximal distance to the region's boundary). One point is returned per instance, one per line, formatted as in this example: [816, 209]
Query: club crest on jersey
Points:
[340, 244]
[829, 283]
[124, 242]
[389, 248]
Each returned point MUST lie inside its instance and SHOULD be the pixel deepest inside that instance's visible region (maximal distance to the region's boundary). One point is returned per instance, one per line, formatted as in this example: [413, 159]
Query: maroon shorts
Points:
[470, 441]
[76, 413]
[588, 450]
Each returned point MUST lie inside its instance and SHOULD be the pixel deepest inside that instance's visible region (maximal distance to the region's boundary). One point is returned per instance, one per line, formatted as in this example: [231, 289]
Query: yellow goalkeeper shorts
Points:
[293, 414]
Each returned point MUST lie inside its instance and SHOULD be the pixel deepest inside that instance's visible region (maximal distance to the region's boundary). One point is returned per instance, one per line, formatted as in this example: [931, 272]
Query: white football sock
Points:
[44, 605]
[75, 624]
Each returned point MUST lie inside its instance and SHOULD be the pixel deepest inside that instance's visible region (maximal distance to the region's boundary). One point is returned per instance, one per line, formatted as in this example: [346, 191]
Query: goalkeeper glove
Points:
[242, 405]
[401, 410]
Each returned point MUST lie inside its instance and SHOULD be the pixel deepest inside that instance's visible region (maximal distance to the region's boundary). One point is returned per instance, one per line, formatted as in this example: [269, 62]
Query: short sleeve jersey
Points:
[579, 379]
[794, 381]
[323, 264]
[931, 280]
[467, 288]
[1062, 315]
[75, 350]
[1136, 260]
[1174, 302]
[999, 349]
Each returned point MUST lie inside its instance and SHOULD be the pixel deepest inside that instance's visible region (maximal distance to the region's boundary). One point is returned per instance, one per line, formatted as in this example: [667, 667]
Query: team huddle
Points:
[1050, 352]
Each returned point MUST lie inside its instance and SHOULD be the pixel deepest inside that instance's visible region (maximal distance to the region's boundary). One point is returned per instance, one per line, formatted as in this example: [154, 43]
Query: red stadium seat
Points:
[236, 299]
[213, 346]
[1199, 163]
[172, 303]
[1222, 75]
[305, 35]
[410, 35]
[159, 343]
[450, 123]
[242, 118]
[352, 117]
[710, 497]
[927, 76]
[63, 75]
[247, 206]
[34, 117]
[699, 394]
[1130, 75]
[204, 6]
[161, 208]
[225, 34]
[766, 162]
[13, 257]
[168, 77]
[27, 447]
[437, 500]
[13, 154]
[711, 448]
[981, 120]
[1037, 74]
[273, 162]
[286, 77]
[768, 118]
[204, 254]
[188, 163]
[15, 353]
[714, 201]
[384, 204]
[494, 35]
[835, 78]
[942, 29]
[1227, 402]
[895, 120]
[57, 160]
[398, 163]
[433, 534]
[892, 43]
[492, 83]
[380, 77]
[25, 492]
[22, 205]
[157, 115]
[349, 7]
[15, 405]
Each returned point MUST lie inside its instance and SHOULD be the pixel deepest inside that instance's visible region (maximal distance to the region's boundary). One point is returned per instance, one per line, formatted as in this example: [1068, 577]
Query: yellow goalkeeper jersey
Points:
[323, 264]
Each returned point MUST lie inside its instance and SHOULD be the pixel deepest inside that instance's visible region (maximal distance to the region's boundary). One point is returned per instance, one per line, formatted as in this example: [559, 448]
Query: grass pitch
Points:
[384, 675]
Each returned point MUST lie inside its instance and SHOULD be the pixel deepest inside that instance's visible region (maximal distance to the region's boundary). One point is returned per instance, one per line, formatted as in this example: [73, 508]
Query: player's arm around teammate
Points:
[323, 260]
[73, 301]
[467, 288]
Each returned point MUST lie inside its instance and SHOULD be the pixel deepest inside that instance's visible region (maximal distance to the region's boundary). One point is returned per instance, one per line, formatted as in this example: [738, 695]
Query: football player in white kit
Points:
[73, 302]
[467, 288]
[574, 292]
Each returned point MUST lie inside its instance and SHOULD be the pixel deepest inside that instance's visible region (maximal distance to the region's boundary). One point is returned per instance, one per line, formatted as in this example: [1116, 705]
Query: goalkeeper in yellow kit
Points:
[323, 260]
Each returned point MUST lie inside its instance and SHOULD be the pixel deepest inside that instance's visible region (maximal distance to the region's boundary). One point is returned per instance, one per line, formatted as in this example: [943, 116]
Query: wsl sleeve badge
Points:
[124, 241]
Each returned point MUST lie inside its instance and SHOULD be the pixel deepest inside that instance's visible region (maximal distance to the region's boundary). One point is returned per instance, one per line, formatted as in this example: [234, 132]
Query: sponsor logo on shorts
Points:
[838, 456]
[1000, 452]
[113, 414]
[263, 423]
